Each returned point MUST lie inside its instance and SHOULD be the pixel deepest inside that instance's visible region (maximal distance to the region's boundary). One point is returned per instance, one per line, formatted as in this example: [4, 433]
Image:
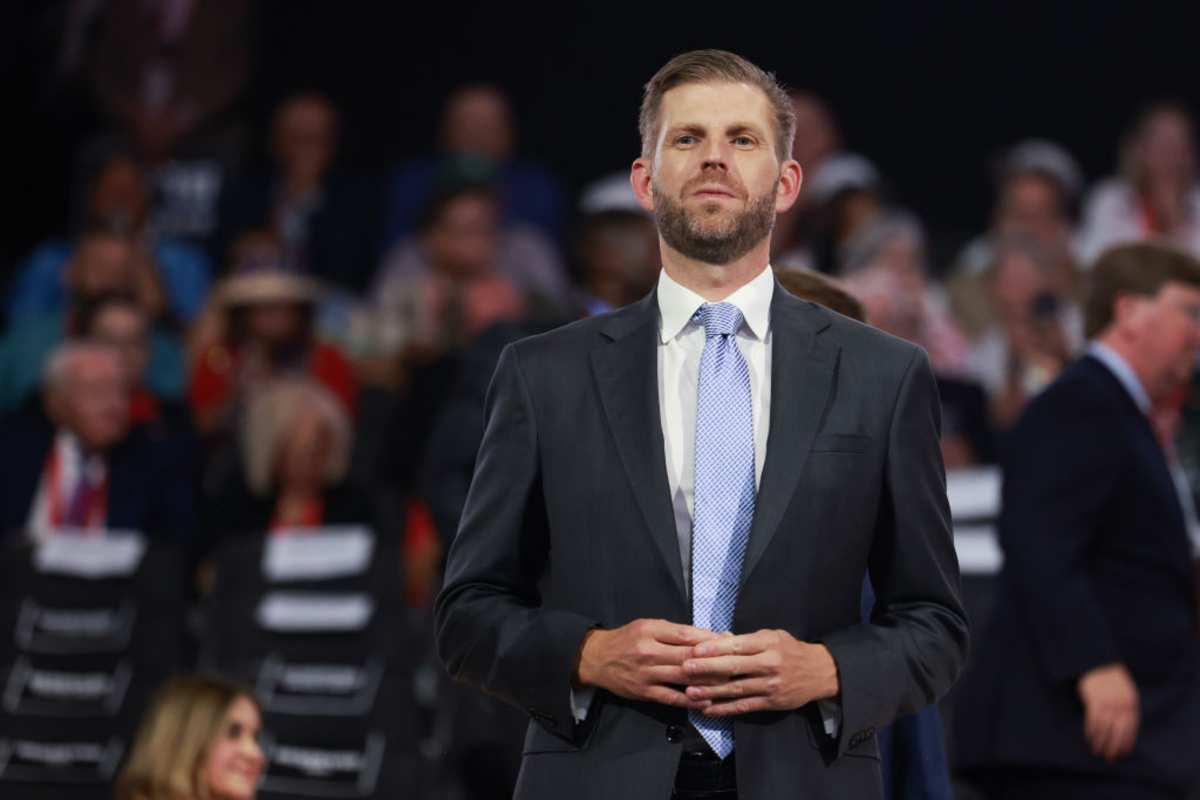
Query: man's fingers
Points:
[739, 687]
[745, 644]
[654, 652]
[1124, 735]
[677, 634]
[725, 666]
[744, 705]
[671, 697]
[667, 675]
[1093, 732]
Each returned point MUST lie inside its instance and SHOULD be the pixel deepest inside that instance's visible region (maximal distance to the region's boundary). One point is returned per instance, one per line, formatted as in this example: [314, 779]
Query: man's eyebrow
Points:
[743, 127]
[692, 128]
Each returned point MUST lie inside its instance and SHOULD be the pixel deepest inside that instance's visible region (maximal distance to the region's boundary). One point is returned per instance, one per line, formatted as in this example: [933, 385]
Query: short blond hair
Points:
[269, 417]
[175, 738]
[715, 66]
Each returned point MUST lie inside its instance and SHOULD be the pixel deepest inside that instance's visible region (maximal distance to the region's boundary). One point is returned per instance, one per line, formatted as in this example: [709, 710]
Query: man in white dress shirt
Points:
[675, 504]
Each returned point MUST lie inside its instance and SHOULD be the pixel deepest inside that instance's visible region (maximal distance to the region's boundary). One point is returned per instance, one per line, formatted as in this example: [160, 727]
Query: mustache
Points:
[714, 179]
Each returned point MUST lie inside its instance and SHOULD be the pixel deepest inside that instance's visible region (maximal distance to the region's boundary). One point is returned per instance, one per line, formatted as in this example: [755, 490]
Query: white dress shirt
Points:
[680, 345]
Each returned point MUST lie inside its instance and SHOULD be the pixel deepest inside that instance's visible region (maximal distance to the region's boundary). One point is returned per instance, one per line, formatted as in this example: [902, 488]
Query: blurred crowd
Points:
[221, 349]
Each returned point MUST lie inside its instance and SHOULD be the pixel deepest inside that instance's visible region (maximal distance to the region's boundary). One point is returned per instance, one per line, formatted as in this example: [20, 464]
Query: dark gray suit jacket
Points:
[569, 525]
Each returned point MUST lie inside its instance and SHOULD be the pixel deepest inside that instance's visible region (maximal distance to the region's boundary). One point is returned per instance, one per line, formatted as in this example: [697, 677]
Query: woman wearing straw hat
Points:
[266, 320]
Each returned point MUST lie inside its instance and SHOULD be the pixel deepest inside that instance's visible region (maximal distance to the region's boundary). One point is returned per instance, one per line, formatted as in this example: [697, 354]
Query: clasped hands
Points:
[719, 674]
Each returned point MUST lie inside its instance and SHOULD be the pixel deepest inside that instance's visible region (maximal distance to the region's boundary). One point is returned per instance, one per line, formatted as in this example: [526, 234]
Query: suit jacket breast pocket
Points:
[841, 443]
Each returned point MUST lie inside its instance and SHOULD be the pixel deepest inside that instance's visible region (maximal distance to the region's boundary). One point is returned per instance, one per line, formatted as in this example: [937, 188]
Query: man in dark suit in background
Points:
[720, 453]
[1086, 684]
[81, 464]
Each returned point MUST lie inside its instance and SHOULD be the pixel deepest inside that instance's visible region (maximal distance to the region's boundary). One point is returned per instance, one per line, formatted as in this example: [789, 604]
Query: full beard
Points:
[719, 241]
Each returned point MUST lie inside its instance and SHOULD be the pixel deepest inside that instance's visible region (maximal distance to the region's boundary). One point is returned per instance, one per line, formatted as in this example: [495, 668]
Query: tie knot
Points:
[719, 319]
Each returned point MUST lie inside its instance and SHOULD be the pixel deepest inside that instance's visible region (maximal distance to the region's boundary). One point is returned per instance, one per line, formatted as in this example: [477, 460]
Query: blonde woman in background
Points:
[295, 442]
[199, 741]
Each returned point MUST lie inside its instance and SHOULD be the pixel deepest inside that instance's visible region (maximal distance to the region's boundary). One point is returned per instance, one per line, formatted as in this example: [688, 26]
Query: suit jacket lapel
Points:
[803, 368]
[626, 370]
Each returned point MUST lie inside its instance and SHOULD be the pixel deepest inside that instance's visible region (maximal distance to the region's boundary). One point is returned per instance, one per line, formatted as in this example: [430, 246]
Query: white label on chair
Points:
[306, 689]
[303, 770]
[95, 554]
[308, 554]
[59, 762]
[38, 691]
[313, 612]
[45, 629]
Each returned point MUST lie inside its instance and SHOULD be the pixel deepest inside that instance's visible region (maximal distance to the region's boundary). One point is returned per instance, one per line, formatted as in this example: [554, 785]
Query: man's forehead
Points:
[715, 103]
[1183, 291]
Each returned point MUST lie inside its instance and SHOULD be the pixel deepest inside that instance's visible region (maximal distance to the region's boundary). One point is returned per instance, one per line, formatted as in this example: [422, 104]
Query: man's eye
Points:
[743, 141]
[685, 139]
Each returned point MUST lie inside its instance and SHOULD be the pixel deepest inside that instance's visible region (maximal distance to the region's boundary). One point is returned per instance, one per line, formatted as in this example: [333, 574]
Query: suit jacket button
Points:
[674, 734]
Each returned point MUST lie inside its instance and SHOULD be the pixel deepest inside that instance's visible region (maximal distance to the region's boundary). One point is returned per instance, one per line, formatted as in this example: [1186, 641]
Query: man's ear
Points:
[1125, 308]
[641, 178]
[791, 177]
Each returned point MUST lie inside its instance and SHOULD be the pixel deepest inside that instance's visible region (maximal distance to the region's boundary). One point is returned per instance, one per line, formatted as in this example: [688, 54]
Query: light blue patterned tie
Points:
[724, 488]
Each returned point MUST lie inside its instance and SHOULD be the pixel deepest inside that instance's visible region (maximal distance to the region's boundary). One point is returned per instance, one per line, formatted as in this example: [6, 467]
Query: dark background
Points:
[928, 90]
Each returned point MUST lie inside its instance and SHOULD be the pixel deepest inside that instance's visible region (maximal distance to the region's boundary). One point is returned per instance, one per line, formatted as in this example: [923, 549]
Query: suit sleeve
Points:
[1061, 471]
[912, 649]
[492, 630]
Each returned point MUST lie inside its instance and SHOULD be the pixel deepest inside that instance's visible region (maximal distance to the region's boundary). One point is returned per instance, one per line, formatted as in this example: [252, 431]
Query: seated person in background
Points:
[1037, 193]
[616, 251]
[264, 330]
[118, 320]
[117, 200]
[198, 741]
[82, 464]
[883, 264]
[477, 123]
[460, 274]
[818, 140]
[1035, 330]
[844, 195]
[1156, 196]
[104, 261]
[295, 442]
[886, 273]
[325, 220]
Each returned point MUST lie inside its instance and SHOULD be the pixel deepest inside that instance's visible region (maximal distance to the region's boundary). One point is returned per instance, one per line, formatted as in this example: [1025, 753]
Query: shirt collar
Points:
[677, 304]
[1124, 373]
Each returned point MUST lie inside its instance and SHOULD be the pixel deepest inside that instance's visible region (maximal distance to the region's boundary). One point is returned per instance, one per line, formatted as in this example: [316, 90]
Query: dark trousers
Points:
[1040, 785]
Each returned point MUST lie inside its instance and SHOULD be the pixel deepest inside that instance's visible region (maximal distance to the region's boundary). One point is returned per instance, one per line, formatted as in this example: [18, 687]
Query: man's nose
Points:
[716, 155]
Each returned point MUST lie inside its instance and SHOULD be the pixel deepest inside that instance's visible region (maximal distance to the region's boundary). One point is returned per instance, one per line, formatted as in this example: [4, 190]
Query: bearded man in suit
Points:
[675, 504]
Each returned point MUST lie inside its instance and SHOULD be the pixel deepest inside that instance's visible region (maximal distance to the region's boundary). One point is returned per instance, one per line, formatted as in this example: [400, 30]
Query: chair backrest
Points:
[91, 625]
[316, 622]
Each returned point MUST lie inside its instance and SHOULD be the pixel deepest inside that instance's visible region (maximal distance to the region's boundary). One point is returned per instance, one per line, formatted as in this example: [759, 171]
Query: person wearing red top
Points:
[267, 331]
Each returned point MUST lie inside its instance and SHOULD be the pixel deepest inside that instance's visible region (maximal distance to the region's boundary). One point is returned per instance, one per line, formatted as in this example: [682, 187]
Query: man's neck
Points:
[1129, 354]
[715, 282]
